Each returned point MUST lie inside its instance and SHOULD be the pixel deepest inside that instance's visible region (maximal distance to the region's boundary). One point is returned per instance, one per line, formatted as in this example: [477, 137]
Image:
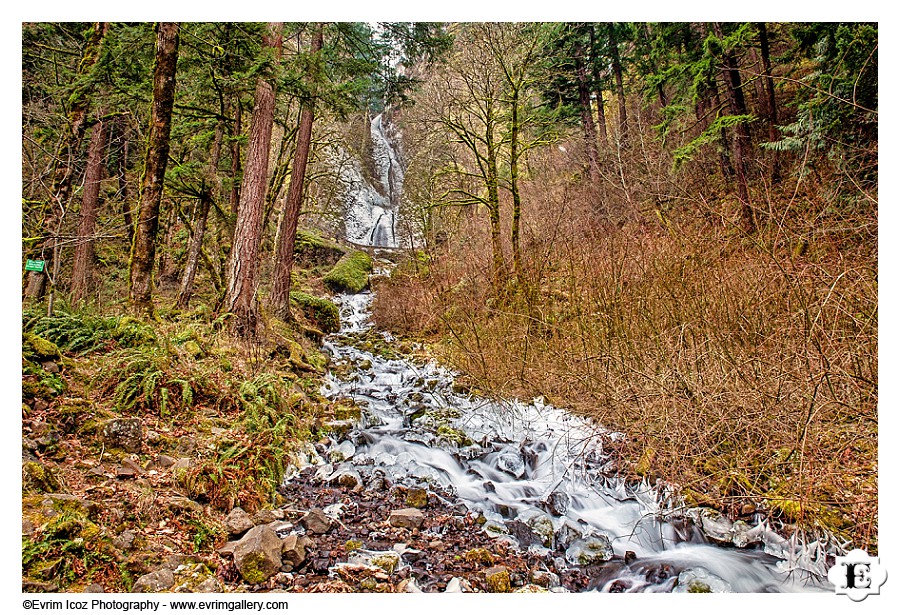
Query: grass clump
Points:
[350, 274]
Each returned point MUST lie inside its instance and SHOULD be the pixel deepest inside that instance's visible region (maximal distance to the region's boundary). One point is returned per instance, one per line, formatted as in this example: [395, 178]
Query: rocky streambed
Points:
[434, 489]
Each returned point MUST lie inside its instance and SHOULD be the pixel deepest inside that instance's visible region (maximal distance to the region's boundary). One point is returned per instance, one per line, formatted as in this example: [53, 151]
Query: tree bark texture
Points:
[242, 273]
[598, 89]
[143, 248]
[287, 230]
[61, 188]
[83, 265]
[771, 106]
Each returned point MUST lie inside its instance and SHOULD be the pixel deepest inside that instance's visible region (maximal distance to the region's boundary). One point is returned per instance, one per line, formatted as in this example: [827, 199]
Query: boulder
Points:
[157, 581]
[294, 549]
[591, 549]
[125, 434]
[238, 521]
[317, 522]
[417, 497]
[699, 580]
[411, 518]
[257, 555]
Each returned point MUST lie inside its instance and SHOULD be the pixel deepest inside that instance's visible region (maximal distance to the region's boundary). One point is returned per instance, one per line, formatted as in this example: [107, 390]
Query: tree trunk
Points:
[587, 118]
[287, 230]
[193, 259]
[771, 106]
[143, 249]
[620, 87]
[598, 89]
[492, 181]
[61, 188]
[741, 141]
[122, 166]
[83, 265]
[236, 158]
[514, 184]
[243, 262]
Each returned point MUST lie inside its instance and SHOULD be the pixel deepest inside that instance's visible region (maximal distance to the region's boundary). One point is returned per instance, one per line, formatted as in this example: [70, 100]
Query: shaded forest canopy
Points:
[670, 227]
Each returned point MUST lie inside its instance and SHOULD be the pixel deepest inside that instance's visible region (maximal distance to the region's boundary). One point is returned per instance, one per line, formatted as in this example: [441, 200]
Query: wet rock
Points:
[497, 579]
[257, 555]
[557, 503]
[544, 578]
[714, 525]
[406, 517]
[416, 498]
[630, 556]
[317, 522]
[748, 509]
[157, 581]
[542, 526]
[346, 477]
[590, 549]
[521, 532]
[344, 452]
[238, 521]
[699, 580]
[458, 585]
[512, 464]
[567, 533]
[124, 434]
[744, 535]
[388, 561]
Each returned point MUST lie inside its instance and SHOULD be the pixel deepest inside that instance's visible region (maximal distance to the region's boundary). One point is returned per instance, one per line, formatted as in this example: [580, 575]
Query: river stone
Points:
[417, 497]
[557, 503]
[699, 580]
[342, 452]
[123, 433]
[294, 548]
[157, 581]
[544, 578]
[407, 517]
[386, 560]
[257, 555]
[743, 535]
[267, 516]
[512, 464]
[238, 521]
[497, 579]
[543, 527]
[316, 521]
[716, 526]
[591, 549]
[521, 532]
[458, 585]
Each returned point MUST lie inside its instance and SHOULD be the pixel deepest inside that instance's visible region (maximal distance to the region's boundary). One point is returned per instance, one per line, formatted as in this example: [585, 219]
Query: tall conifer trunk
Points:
[287, 230]
[83, 265]
[242, 273]
[143, 248]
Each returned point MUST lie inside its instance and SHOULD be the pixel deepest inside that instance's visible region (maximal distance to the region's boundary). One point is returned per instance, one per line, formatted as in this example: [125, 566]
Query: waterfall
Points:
[371, 210]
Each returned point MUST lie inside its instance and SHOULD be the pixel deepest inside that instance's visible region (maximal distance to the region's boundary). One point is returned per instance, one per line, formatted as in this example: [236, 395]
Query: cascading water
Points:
[541, 480]
[371, 212]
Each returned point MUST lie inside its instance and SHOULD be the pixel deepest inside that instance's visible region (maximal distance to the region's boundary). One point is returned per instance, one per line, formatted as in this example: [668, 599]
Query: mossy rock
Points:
[193, 349]
[312, 249]
[321, 311]
[644, 466]
[454, 435]
[350, 274]
[34, 347]
[38, 478]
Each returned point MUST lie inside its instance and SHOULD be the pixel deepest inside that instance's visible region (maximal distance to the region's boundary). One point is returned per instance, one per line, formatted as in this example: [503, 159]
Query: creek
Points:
[538, 476]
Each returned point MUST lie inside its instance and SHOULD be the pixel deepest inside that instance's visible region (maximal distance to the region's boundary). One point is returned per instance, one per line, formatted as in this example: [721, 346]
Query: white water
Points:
[371, 212]
[539, 465]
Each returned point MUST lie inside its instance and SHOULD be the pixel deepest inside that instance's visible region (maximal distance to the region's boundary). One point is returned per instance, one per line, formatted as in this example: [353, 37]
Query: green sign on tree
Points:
[31, 265]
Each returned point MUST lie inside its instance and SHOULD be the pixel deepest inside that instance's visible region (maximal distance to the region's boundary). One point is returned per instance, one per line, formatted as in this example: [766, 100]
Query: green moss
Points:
[350, 274]
[353, 544]
[321, 311]
[644, 466]
[311, 249]
[250, 569]
[36, 347]
[37, 478]
[453, 435]
[479, 556]
[698, 587]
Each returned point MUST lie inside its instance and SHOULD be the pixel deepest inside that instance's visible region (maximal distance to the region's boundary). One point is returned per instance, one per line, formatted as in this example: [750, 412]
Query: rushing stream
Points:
[537, 474]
